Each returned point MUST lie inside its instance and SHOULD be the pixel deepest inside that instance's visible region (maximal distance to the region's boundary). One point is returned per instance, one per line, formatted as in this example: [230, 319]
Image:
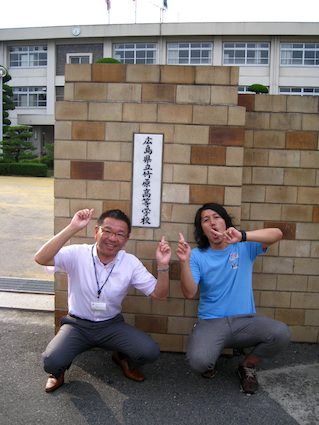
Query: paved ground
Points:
[95, 391]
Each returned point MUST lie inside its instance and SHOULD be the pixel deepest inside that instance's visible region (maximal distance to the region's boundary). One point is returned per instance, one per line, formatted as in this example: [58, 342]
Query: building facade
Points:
[282, 56]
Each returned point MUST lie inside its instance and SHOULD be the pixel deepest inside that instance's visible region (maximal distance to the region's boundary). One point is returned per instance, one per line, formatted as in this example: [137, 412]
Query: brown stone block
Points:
[88, 170]
[124, 206]
[175, 270]
[290, 316]
[88, 130]
[158, 92]
[301, 140]
[208, 155]
[177, 74]
[149, 324]
[77, 72]
[248, 101]
[201, 194]
[227, 136]
[288, 229]
[315, 215]
[110, 73]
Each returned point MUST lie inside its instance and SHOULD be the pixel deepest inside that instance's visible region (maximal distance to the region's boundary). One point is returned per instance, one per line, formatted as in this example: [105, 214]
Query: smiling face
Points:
[210, 219]
[110, 236]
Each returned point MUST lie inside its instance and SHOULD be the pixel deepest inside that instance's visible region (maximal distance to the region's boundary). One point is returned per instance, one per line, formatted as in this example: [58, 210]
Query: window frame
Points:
[27, 54]
[131, 51]
[189, 47]
[29, 93]
[69, 57]
[256, 47]
[301, 47]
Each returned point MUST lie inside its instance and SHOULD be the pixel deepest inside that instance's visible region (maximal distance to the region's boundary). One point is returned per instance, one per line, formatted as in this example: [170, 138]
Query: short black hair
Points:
[200, 237]
[118, 215]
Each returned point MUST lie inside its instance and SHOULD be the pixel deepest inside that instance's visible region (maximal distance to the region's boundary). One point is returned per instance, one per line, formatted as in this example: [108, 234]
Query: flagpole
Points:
[135, 12]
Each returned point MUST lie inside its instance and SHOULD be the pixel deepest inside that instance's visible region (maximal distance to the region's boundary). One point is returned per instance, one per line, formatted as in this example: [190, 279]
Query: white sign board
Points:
[147, 180]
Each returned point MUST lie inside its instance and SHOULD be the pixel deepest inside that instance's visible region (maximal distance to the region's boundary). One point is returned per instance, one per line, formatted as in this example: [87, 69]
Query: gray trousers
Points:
[77, 335]
[265, 336]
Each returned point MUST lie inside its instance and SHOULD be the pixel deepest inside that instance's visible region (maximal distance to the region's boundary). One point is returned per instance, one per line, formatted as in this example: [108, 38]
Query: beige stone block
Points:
[249, 138]
[139, 112]
[169, 307]
[313, 284]
[66, 111]
[253, 193]
[257, 157]
[191, 134]
[61, 169]
[136, 304]
[299, 177]
[104, 151]
[296, 212]
[304, 334]
[247, 175]
[314, 249]
[146, 249]
[310, 122]
[224, 95]
[257, 120]
[279, 265]
[267, 282]
[175, 193]
[288, 248]
[234, 156]
[118, 171]
[177, 154]
[183, 213]
[64, 188]
[169, 343]
[103, 190]
[77, 72]
[62, 207]
[290, 316]
[285, 121]
[168, 173]
[175, 289]
[225, 176]
[62, 130]
[90, 91]
[105, 111]
[222, 75]
[305, 300]
[180, 325]
[69, 150]
[68, 93]
[233, 195]
[304, 104]
[189, 174]
[308, 195]
[175, 113]
[120, 131]
[312, 317]
[140, 73]
[309, 159]
[191, 307]
[307, 231]
[210, 115]
[284, 158]
[80, 204]
[166, 129]
[142, 233]
[193, 94]
[268, 175]
[292, 283]
[271, 103]
[236, 115]
[170, 231]
[275, 299]
[283, 194]
[205, 75]
[269, 139]
[177, 74]
[125, 190]
[309, 266]
[121, 92]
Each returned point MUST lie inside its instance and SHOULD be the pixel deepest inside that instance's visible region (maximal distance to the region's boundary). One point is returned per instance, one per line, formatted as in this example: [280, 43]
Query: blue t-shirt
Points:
[225, 279]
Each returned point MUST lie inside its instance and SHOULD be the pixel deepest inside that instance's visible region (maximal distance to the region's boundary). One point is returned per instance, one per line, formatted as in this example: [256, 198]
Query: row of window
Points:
[182, 53]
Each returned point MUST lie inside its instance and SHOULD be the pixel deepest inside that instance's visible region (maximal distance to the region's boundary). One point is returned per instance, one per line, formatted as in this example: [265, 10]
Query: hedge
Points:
[23, 169]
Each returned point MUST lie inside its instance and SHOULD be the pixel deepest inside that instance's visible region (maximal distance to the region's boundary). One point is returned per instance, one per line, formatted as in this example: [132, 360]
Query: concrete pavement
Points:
[95, 391]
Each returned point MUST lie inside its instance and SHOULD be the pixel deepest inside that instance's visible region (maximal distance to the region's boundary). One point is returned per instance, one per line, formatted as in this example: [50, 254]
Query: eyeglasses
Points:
[108, 233]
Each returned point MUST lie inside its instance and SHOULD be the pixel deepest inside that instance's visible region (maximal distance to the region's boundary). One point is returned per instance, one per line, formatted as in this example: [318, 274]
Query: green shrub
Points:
[23, 169]
[107, 60]
[258, 88]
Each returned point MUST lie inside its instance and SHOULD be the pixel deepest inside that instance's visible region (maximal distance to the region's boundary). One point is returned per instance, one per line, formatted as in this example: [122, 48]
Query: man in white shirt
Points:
[99, 277]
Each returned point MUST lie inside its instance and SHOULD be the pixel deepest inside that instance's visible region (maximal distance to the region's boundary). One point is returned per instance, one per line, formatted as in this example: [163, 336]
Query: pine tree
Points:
[16, 144]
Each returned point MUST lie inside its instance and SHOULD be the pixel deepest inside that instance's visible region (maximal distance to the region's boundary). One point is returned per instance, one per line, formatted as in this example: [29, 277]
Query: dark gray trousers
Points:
[76, 336]
[265, 336]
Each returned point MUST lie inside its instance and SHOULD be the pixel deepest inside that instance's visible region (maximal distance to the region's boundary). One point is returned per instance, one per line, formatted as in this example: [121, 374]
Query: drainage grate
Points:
[14, 284]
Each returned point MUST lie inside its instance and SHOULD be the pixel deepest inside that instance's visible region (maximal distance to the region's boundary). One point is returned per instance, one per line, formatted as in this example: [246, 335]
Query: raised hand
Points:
[82, 218]
[163, 252]
[183, 250]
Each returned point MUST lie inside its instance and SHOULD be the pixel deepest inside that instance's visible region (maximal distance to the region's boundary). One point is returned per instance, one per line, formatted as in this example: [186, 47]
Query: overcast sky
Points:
[33, 13]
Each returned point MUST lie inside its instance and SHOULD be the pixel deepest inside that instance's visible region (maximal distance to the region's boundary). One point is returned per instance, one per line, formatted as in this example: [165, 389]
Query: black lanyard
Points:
[99, 289]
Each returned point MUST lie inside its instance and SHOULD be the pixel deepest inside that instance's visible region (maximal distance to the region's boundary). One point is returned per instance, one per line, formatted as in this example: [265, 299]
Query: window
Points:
[241, 53]
[299, 54]
[28, 56]
[79, 58]
[301, 91]
[30, 97]
[244, 89]
[189, 53]
[135, 52]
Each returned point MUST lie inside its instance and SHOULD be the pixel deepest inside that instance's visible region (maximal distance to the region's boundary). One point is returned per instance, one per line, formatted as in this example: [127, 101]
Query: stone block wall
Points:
[247, 154]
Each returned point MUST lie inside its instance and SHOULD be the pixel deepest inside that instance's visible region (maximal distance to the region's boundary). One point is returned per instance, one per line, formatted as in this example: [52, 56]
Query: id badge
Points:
[98, 306]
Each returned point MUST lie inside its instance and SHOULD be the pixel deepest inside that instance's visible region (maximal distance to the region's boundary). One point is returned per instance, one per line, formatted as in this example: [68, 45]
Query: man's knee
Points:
[198, 361]
[282, 335]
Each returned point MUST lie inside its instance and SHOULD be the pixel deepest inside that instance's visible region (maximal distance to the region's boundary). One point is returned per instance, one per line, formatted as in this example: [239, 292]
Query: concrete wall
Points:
[257, 155]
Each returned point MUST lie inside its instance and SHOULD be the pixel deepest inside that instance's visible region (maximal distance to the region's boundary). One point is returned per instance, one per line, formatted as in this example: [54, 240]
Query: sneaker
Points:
[248, 379]
[210, 373]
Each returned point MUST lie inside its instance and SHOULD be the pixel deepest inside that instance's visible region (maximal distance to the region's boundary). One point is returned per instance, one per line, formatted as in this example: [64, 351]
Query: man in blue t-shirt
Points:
[221, 268]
